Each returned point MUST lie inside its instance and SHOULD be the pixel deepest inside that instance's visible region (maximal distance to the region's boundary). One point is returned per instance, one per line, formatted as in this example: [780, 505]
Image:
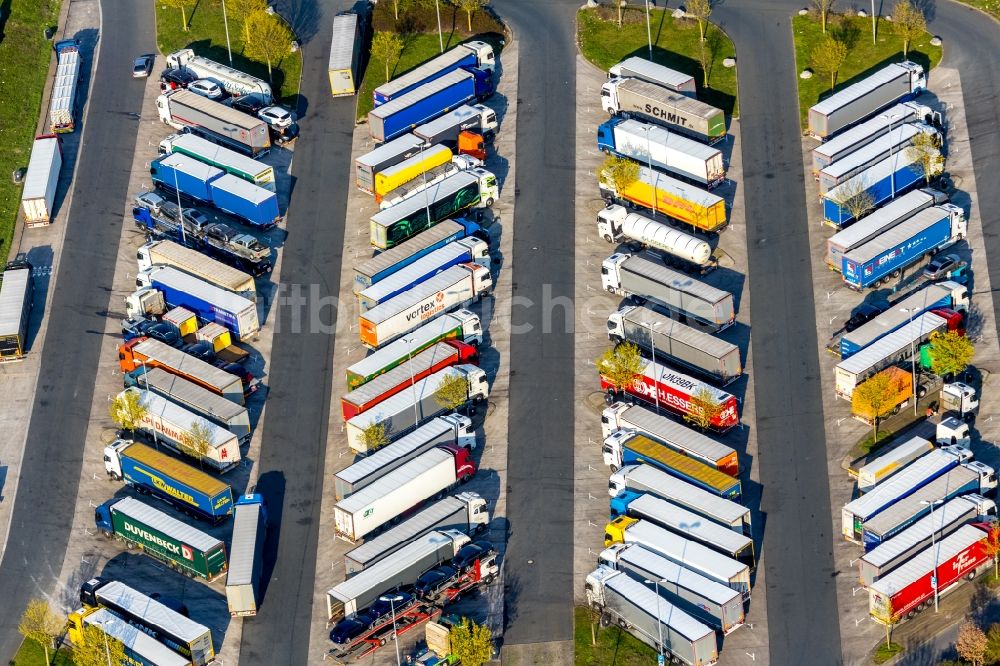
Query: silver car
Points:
[207, 88]
[275, 116]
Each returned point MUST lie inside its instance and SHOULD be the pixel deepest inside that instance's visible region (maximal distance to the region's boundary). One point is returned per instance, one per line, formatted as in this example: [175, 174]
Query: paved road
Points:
[539, 561]
[50, 471]
[797, 550]
[300, 373]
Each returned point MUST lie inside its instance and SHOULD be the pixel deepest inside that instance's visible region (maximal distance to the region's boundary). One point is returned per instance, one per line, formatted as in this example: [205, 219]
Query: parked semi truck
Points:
[670, 197]
[882, 219]
[150, 472]
[383, 157]
[709, 601]
[680, 113]
[433, 359]
[891, 462]
[622, 416]
[384, 264]
[895, 142]
[233, 81]
[886, 256]
[62, 100]
[169, 253]
[162, 537]
[677, 343]
[169, 424]
[475, 188]
[473, 54]
[246, 560]
[465, 512]
[453, 429]
[402, 567]
[230, 161]
[652, 619]
[464, 251]
[616, 224]
[410, 484]
[138, 647]
[665, 388]
[41, 181]
[640, 277]
[428, 101]
[185, 110]
[918, 474]
[208, 301]
[148, 353]
[947, 294]
[429, 179]
[415, 405]
[451, 289]
[176, 631]
[861, 135]
[669, 151]
[892, 348]
[16, 298]
[629, 448]
[936, 571]
[880, 182]
[651, 72]
[398, 174]
[893, 83]
[207, 184]
[946, 519]
[345, 54]
[633, 480]
[475, 118]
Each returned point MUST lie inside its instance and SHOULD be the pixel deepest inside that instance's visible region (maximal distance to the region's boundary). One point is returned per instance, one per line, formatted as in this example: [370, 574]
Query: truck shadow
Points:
[272, 486]
[40, 258]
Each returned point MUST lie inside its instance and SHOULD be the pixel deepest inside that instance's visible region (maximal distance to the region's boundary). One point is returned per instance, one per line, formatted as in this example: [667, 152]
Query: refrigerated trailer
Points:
[472, 54]
[669, 151]
[680, 113]
[383, 157]
[345, 54]
[428, 101]
[894, 461]
[16, 297]
[246, 561]
[677, 343]
[220, 157]
[214, 121]
[62, 100]
[895, 142]
[891, 84]
[647, 70]
[41, 181]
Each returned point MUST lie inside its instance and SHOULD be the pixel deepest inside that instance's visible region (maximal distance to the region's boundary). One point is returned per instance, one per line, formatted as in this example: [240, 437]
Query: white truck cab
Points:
[112, 458]
[987, 475]
[953, 433]
[609, 95]
[611, 418]
[609, 222]
[484, 54]
[959, 397]
[489, 189]
[611, 450]
[144, 302]
[610, 276]
[472, 328]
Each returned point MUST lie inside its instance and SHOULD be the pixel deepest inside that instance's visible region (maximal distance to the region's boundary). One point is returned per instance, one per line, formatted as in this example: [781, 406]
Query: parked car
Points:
[207, 88]
[250, 103]
[383, 609]
[201, 350]
[469, 553]
[196, 218]
[142, 66]
[434, 582]
[165, 333]
[864, 314]
[941, 265]
[350, 628]
[275, 116]
[172, 79]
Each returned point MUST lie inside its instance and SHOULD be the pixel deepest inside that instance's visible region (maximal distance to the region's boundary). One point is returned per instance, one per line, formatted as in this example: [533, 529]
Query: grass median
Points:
[206, 35]
[31, 654]
[863, 57]
[676, 44]
[614, 647]
[24, 63]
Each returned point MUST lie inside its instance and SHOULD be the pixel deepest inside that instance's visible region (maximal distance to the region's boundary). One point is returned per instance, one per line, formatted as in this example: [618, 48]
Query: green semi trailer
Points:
[179, 546]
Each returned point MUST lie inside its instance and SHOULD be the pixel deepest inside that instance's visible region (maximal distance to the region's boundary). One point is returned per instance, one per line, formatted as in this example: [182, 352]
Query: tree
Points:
[98, 649]
[828, 56]
[375, 436]
[890, 618]
[823, 8]
[926, 155]
[908, 22]
[41, 624]
[472, 643]
[993, 644]
[992, 547]
[705, 58]
[971, 643]
[197, 441]
[452, 392]
[272, 38]
[387, 47]
[701, 10]
[621, 365]
[951, 353]
[127, 410]
[241, 10]
[876, 397]
[620, 4]
[705, 409]
[619, 173]
[856, 197]
[181, 5]
[470, 7]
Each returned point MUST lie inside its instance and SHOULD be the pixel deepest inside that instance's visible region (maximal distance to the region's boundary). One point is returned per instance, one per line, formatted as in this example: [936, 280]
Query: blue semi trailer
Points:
[888, 254]
[467, 56]
[427, 102]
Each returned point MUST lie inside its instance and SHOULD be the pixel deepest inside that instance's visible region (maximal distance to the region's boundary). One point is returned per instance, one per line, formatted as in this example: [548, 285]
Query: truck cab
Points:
[958, 397]
[616, 326]
[610, 280]
[609, 95]
[611, 450]
[611, 417]
[472, 144]
[482, 279]
[479, 388]
[251, 499]
[464, 465]
[609, 223]
[478, 510]
[472, 328]
[617, 483]
[145, 302]
[485, 57]
[614, 532]
[102, 517]
[918, 78]
[112, 458]
[489, 190]
[619, 503]
[987, 475]
[465, 432]
[594, 585]
[953, 434]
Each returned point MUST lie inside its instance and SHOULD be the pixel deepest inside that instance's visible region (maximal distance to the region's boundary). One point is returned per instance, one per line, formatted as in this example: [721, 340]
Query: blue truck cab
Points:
[620, 502]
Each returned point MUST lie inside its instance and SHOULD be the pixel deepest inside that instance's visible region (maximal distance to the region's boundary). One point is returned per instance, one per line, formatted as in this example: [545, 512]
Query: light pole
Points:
[660, 660]
[427, 195]
[437, 8]
[156, 441]
[180, 211]
[649, 34]
[873, 22]
[934, 580]
[413, 381]
[892, 176]
[649, 163]
[392, 609]
[913, 358]
[652, 342]
[225, 22]
[104, 631]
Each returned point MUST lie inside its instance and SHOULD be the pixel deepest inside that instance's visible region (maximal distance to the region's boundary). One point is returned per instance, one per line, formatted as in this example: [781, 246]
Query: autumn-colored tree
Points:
[41, 624]
[470, 7]
[181, 5]
[197, 440]
[991, 547]
[823, 9]
[375, 436]
[908, 22]
[272, 38]
[621, 365]
[241, 10]
[951, 353]
[971, 643]
[620, 173]
[701, 10]
[827, 57]
[472, 643]
[926, 157]
[127, 410]
[705, 409]
[452, 392]
[890, 618]
[98, 649]
[876, 397]
[387, 47]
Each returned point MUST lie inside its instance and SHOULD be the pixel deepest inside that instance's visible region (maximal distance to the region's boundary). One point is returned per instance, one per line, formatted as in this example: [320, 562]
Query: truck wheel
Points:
[605, 620]
[611, 290]
[909, 616]
[896, 273]
[614, 469]
[608, 238]
[489, 202]
[108, 534]
[921, 391]
[895, 410]
[381, 642]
